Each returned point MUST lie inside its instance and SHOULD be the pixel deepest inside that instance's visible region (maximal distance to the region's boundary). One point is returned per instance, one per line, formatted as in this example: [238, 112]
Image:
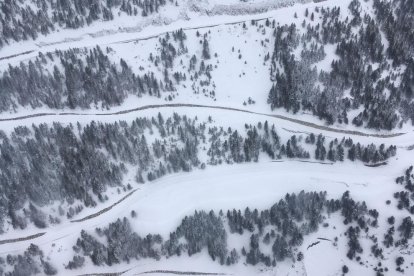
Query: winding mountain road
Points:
[185, 105]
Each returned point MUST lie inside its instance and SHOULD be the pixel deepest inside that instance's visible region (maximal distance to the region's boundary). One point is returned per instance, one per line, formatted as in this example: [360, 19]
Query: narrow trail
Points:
[181, 105]
[178, 272]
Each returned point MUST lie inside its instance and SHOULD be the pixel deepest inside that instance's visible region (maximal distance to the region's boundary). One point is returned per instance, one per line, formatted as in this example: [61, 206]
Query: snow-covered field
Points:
[240, 72]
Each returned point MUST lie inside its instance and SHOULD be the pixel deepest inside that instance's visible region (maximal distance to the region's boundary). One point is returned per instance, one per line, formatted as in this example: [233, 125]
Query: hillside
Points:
[208, 137]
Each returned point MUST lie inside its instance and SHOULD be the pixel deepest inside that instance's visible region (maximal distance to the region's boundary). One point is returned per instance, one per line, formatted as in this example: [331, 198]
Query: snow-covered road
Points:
[56, 115]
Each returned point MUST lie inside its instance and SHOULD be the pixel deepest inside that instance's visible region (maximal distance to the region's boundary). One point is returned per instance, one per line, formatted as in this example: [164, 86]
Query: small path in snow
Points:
[178, 105]
[313, 244]
[179, 272]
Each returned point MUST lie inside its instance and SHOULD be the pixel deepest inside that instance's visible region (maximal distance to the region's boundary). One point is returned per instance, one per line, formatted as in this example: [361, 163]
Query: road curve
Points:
[179, 105]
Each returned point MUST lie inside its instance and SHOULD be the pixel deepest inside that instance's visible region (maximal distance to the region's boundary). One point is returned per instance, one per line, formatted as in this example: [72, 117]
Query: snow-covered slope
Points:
[119, 136]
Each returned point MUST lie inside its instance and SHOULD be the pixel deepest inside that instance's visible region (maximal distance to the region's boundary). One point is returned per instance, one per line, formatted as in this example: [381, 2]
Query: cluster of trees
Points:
[229, 146]
[406, 197]
[23, 20]
[406, 230]
[83, 78]
[201, 230]
[354, 247]
[168, 51]
[198, 69]
[405, 233]
[202, 77]
[290, 219]
[360, 78]
[338, 150]
[122, 245]
[282, 226]
[31, 262]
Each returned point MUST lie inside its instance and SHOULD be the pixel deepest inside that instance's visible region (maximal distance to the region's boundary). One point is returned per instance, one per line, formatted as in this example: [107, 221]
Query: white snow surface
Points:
[162, 204]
